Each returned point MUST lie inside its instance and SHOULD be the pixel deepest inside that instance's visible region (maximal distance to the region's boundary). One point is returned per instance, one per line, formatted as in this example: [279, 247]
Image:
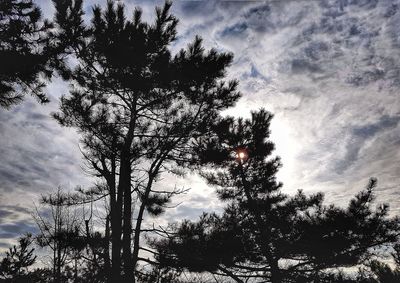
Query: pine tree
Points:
[24, 56]
[59, 232]
[14, 266]
[262, 232]
[138, 107]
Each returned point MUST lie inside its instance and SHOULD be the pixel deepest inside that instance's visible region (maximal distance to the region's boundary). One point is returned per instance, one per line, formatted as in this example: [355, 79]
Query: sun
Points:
[241, 154]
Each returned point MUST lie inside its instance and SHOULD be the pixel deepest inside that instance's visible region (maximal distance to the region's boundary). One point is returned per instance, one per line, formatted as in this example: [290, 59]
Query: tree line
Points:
[142, 111]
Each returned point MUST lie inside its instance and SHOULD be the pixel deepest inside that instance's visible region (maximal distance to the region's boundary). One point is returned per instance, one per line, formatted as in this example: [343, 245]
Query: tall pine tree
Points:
[138, 108]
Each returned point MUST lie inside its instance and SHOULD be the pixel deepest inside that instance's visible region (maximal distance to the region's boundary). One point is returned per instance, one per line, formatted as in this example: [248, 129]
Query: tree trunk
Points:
[54, 261]
[116, 230]
[76, 268]
[124, 187]
[125, 183]
[275, 271]
[136, 240]
[58, 263]
[107, 247]
[115, 223]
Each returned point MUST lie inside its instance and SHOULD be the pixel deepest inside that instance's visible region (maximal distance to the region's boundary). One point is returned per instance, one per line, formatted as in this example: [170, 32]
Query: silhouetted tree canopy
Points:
[77, 252]
[14, 266]
[143, 109]
[138, 107]
[24, 52]
[262, 232]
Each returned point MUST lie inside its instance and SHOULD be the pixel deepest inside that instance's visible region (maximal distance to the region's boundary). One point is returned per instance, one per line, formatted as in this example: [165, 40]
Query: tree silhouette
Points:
[143, 110]
[379, 272]
[23, 54]
[59, 231]
[262, 232]
[139, 109]
[13, 267]
[79, 250]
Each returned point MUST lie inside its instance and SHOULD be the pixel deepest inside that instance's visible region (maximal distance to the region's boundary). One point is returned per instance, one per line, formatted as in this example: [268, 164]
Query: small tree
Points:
[14, 266]
[59, 231]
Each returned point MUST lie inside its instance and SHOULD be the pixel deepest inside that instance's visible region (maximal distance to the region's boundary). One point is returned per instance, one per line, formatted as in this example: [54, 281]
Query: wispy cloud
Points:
[328, 70]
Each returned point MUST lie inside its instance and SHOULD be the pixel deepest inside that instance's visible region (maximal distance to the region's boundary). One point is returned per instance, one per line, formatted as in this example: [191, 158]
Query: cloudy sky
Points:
[328, 70]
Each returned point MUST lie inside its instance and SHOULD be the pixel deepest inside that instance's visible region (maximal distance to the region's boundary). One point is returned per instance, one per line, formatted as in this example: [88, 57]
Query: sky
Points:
[328, 70]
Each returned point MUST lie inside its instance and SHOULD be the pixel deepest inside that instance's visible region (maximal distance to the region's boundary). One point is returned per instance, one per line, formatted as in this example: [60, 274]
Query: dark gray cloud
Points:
[4, 245]
[347, 44]
[360, 135]
[18, 227]
[13, 230]
[37, 156]
[5, 213]
[13, 213]
[37, 153]
[186, 212]
[235, 30]
[369, 130]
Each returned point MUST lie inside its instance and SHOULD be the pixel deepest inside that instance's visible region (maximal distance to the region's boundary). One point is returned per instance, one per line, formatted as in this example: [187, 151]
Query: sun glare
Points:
[241, 155]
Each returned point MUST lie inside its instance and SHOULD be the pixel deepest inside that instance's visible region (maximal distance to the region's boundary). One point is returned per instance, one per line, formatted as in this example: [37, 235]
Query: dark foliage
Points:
[24, 51]
[14, 266]
[138, 107]
[264, 233]
[142, 110]
[77, 252]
